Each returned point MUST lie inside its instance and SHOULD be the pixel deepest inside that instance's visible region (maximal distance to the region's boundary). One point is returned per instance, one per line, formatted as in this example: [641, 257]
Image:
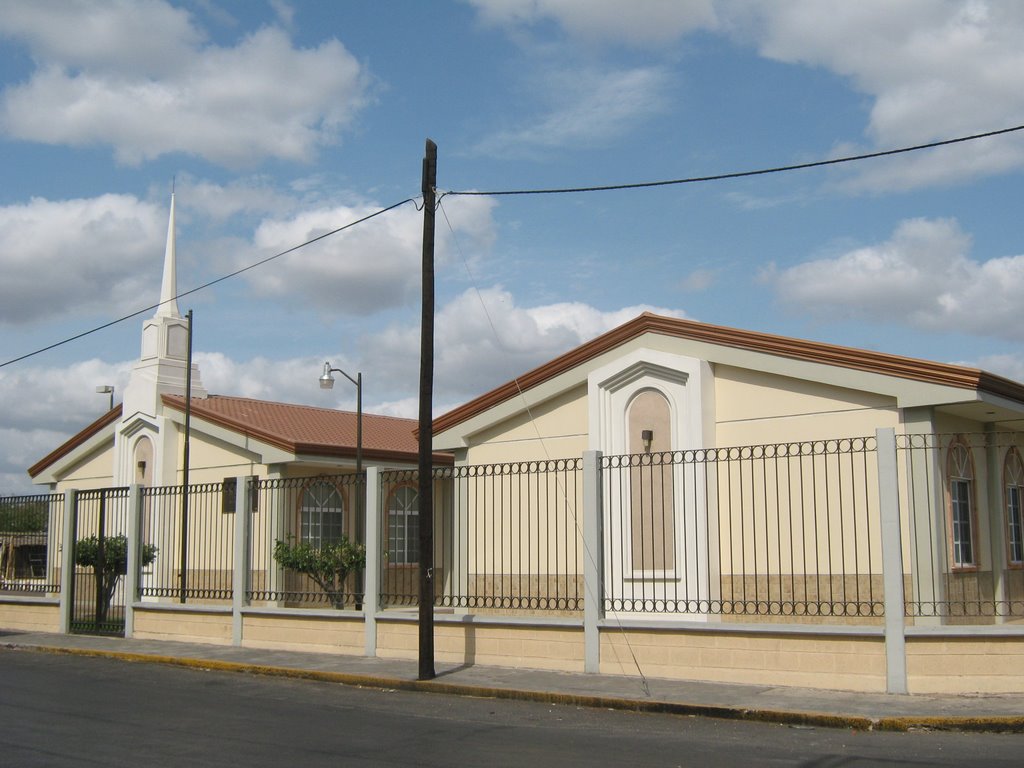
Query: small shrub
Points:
[328, 566]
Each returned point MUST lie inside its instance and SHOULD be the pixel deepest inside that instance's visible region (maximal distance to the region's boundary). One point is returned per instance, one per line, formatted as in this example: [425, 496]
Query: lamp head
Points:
[327, 381]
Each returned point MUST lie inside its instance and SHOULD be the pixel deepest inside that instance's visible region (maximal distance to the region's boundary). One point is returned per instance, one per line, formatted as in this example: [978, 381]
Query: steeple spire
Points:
[169, 287]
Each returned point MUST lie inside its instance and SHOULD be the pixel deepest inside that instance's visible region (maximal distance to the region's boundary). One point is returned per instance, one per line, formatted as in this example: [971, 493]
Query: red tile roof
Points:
[299, 429]
[305, 429]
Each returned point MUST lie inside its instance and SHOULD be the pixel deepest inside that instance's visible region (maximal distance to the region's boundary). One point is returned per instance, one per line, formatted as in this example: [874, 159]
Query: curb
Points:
[1000, 723]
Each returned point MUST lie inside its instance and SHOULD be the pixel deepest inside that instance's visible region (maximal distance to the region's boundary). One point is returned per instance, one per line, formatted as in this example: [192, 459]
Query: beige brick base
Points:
[850, 663]
[183, 626]
[965, 664]
[30, 617]
[498, 645]
[314, 634]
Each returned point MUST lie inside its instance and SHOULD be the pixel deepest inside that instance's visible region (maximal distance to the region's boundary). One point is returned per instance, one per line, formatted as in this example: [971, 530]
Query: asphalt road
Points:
[58, 710]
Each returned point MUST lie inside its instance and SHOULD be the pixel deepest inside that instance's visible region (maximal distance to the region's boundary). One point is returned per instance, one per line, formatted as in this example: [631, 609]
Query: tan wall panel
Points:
[965, 665]
[841, 663]
[315, 634]
[30, 617]
[184, 626]
[531, 647]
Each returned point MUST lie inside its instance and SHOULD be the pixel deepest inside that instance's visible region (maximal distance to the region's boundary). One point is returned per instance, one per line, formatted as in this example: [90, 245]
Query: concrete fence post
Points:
[371, 580]
[241, 570]
[593, 558]
[67, 560]
[131, 577]
[892, 562]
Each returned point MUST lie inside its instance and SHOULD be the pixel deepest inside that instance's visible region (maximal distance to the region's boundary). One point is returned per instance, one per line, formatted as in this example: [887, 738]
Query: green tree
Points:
[110, 566]
[23, 518]
[328, 566]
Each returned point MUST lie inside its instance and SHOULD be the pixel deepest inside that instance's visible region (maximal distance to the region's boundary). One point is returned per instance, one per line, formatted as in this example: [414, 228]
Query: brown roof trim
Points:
[783, 346]
[106, 419]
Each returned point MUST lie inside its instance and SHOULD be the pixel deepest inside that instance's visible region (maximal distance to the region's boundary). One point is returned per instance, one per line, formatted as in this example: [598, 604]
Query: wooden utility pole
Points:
[426, 485]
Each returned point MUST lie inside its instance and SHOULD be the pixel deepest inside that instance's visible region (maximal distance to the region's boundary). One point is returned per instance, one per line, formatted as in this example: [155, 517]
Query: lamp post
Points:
[107, 389]
[327, 382]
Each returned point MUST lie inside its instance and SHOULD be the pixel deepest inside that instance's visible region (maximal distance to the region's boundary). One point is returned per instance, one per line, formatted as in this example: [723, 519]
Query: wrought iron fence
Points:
[961, 505]
[507, 537]
[31, 539]
[307, 541]
[188, 549]
[747, 533]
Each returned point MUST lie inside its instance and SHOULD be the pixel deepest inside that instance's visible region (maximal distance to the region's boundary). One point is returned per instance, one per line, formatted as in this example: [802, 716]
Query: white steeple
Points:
[169, 287]
[146, 436]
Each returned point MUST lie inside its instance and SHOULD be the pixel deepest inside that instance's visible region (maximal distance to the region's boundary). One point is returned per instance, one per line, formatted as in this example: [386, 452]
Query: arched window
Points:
[1013, 482]
[321, 514]
[652, 515]
[404, 526]
[960, 474]
[142, 457]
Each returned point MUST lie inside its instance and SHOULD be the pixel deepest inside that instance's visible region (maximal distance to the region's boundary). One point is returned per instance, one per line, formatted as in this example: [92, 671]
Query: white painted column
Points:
[242, 549]
[371, 579]
[593, 558]
[892, 562]
[131, 577]
[67, 561]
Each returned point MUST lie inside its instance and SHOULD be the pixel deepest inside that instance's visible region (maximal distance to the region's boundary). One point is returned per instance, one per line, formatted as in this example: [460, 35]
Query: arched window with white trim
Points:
[960, 478]
[1013, 483]
[404, 526]
[321, 514]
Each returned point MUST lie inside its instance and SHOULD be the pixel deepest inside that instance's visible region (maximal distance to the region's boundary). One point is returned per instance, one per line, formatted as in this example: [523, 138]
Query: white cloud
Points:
[374, 265]
[62, 257]
[585, 107]
[484, 339]
[41, 407]
[142, 80]
[219, 202]
[639, 22]
[934, 69]
[923, 275]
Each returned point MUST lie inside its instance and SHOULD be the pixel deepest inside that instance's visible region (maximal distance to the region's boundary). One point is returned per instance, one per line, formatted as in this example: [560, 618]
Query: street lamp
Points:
[327, 382]
[107, 389]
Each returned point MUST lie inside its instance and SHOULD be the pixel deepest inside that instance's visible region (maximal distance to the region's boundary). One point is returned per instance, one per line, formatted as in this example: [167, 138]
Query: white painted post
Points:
[371, 580]
[242, 543]
[593, 558]
[131, 578]
[67, 561]
[892, 562]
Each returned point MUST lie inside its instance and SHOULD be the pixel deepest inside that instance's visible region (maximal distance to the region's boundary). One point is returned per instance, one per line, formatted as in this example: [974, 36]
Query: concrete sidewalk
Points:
[798, 706]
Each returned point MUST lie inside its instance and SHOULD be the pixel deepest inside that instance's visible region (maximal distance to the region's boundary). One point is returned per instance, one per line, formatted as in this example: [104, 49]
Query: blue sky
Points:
[281, 120]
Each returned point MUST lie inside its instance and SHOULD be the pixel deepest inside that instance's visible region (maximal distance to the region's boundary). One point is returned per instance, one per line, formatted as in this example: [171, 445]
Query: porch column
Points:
[593, 557]
[371, 579]
[67, 560]
[995, 521]
[242, 555]
[928, 544]
[131, 577]
[892, 562]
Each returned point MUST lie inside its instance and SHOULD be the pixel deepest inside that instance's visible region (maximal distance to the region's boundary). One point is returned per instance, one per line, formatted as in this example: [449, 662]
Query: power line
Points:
[743, 174]
[198, 288]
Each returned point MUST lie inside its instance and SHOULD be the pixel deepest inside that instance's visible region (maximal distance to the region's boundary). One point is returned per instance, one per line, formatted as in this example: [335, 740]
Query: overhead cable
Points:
[740, 174]
[198, 288]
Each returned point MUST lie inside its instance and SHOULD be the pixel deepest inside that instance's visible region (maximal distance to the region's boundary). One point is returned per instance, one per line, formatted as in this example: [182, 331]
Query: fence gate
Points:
[101, 561]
